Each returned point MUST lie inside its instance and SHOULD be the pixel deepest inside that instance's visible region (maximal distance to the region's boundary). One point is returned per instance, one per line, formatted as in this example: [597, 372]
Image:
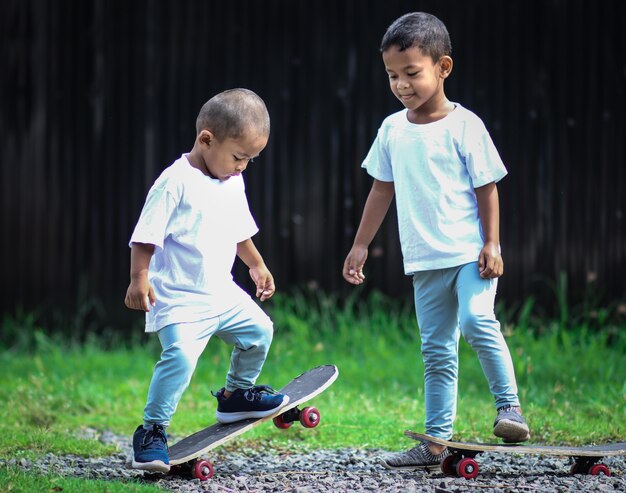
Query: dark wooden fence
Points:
[97, 97]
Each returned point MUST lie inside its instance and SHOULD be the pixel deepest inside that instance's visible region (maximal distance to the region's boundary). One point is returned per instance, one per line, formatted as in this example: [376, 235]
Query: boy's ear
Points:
[206, 137]
[445, 66]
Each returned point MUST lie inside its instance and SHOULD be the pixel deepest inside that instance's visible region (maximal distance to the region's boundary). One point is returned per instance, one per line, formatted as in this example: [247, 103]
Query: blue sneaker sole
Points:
[227, 418]
[154, 466]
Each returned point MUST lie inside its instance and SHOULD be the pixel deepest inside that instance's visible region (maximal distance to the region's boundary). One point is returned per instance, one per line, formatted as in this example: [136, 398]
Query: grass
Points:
[570, 375]
[14, 480]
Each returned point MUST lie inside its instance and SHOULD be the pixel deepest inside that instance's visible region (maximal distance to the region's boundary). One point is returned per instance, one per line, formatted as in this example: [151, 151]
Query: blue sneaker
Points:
[255, 402]
[150, 449]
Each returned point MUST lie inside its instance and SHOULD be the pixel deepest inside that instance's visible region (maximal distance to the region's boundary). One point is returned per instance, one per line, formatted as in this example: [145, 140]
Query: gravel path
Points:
[336, 471]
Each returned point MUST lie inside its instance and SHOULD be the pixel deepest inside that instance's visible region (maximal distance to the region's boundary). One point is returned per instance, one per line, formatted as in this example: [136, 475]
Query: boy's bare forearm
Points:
[490, 263]
[140, 295]
[489, 212]
[374, 212]
[260, 274]
[248, 253]
[140, 256]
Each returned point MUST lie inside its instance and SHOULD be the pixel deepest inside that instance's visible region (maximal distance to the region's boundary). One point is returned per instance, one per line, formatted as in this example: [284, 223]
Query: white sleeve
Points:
[482, 159]
[155, 216]
[377, 162]
[246, 227]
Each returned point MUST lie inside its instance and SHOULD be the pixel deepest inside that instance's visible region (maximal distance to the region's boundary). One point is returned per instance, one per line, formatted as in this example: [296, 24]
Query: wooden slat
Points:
[98, 97]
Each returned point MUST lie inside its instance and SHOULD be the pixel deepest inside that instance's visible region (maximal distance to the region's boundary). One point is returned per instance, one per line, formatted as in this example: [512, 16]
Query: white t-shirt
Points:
[435, 168]
[195, 223]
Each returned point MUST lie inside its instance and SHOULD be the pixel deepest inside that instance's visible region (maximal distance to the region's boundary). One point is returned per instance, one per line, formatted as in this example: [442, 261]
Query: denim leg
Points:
[182, 346]
[436, 309]
[250, 330]
[481, 330]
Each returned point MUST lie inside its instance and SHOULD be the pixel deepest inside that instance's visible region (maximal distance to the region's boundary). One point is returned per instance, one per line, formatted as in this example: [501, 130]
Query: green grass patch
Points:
[14, 480]
[571, 381]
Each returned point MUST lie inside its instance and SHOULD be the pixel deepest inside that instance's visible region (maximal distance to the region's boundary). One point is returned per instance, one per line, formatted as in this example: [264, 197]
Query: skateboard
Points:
[461, 460]
[185, 455]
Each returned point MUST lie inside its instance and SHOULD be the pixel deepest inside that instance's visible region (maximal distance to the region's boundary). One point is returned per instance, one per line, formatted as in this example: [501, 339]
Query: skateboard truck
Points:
[200, 469]
[589, 465]
[309, 417]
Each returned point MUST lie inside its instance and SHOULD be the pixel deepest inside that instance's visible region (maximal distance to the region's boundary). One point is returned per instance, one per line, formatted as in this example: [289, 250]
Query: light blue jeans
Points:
[246, 326]
[449, 302]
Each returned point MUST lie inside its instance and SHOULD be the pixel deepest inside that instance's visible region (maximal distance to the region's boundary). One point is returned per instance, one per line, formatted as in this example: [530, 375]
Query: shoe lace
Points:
[256, 393]
[508, 409]
[154, 437]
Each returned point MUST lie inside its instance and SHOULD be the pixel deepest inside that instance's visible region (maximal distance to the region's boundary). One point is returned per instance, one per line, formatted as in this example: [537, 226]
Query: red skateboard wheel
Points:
[203, 470]
[448, 465]
[310, 417]
[598, 469]
[279, 422]
[467, 468]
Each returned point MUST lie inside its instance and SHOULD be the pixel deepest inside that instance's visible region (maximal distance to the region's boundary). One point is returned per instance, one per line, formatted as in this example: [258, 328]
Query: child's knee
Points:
[439, 357]
[179, 359]
[475, 326]
[259, 337]
[469, 322]
[265, 333]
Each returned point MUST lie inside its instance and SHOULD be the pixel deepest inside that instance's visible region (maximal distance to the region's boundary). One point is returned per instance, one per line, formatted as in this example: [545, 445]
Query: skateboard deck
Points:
[184, 454]
[461, 460]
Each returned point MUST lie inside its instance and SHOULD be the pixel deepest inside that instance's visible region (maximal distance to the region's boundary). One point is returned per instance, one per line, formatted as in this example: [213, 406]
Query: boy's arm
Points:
[260, 274]
[375, 210]
[490, 263]
[140, 295]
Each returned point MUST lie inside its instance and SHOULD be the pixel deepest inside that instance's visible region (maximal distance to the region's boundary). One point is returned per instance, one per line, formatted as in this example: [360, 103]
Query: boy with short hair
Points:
[439, 161]
[195, 220]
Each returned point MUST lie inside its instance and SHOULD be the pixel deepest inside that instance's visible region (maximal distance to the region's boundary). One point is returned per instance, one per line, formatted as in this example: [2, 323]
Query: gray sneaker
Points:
[510, 425]
[419, 457]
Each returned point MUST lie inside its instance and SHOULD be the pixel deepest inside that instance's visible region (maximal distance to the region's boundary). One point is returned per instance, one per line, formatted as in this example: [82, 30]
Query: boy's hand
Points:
[264, 282]
[353, 265]
[490, 263]
[140, 295]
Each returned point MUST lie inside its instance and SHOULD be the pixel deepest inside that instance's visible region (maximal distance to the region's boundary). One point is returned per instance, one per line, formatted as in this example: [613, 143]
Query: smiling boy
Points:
[440, 163]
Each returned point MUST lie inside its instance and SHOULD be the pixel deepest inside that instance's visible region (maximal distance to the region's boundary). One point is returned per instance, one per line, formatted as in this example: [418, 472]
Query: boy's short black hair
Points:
[231, 113]
[419, 29]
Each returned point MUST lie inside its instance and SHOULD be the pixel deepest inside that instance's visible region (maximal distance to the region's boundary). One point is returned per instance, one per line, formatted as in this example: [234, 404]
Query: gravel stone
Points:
[332, 471]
